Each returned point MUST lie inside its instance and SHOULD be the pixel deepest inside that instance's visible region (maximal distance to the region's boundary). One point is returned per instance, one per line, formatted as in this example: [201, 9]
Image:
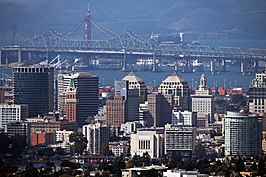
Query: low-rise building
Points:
[136, 171]
[119, 148]
[183, 173]
[184, 118]
[17, 128]
[149, 141]
[62, 137]
[12, 113]
[130, 127]
[181, 140]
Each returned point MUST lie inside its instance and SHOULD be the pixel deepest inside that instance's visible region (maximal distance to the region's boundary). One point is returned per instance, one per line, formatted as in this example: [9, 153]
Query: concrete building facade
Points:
[12, 113]
[180, 140]
[160, 109]
[257, 94]
[175, 85]
[86, 86]
[97, 135]
[203, 101]
[147, 140]
[184, 118]
[136, 82]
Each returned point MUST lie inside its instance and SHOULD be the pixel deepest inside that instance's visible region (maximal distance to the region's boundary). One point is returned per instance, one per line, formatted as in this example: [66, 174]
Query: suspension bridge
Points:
[127, 45]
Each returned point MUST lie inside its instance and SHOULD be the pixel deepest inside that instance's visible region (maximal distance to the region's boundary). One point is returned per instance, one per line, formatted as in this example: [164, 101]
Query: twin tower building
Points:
[76, 97]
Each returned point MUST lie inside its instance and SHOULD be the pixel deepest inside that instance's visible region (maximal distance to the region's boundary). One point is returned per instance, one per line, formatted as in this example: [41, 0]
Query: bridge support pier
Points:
[223, 65]
[29, 56]
[176, 66]
[243, 67]
[256, 65]
[0, 57]
[19, 56]
[212, 67]
[155, 67]
[124, 68]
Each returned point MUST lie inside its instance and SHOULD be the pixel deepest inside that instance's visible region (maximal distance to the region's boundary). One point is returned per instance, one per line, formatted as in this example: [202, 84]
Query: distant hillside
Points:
[203, 19]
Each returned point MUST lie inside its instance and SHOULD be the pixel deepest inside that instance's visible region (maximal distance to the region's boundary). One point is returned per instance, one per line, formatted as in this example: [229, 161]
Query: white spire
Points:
[203, 82]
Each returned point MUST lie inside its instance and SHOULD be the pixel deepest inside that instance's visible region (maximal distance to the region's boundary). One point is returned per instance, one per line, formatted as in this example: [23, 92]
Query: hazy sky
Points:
[229, 18]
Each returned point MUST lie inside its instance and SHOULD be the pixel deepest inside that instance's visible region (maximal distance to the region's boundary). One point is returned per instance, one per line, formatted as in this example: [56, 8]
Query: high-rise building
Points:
[243, 135]
[132, 98]
[124, 107]
[98, 138]
[86, 94]
[175, 85]
[71, 102]
[144, 115]
[257, 94]
[116, 112]
[160, 109]
[63, 81]
[184, 118]
[12, 113]
[34, 86]
[180, 140]
[147, 140]
[137, 83]
[2, 95]
[202, 100]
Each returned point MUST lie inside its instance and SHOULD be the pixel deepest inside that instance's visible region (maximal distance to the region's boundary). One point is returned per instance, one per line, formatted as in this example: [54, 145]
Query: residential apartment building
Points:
[243, 134]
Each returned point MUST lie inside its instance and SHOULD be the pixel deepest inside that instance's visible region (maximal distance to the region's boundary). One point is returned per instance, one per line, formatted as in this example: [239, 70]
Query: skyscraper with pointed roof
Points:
[135, 82]
[86, 86]
[175, 85]
[71, 102]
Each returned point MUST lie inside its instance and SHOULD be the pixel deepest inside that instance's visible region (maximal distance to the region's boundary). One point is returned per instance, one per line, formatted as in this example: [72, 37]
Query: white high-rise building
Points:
[98, 138]
[12, 113]
[242, 135]
[147, 140]
[175, 85]
[184, 118]
[257, 94]
[202, 100]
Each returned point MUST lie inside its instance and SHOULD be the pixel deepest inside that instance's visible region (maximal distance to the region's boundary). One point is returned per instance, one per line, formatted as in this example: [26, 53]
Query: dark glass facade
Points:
[34, 86]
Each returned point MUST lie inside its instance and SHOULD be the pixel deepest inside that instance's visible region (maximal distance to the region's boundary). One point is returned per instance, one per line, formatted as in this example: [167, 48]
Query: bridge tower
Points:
[87, 24]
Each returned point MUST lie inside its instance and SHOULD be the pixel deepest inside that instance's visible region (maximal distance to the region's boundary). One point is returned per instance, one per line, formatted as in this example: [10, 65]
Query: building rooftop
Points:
[132, 77]
[174, 77]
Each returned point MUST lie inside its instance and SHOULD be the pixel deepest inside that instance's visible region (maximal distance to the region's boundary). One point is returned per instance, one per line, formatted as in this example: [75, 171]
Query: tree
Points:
[149, 173]
[46, 152]
[60, 151]
[200, 151]
[31, 171]
[67, 163]
[80, 143]
[8, 168]
[261, 166]
[240, 166]
[4, 141]
[18, 143]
